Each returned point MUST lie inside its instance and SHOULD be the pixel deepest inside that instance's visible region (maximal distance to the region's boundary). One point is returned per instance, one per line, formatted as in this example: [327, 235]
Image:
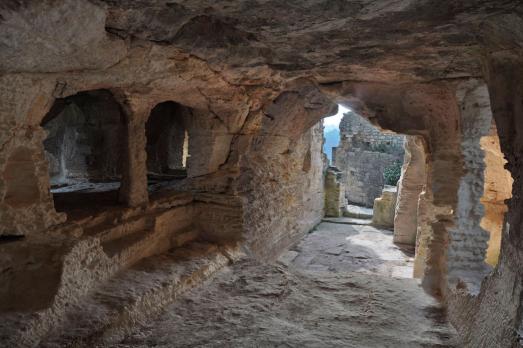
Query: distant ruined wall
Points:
[335, 199]
[362, 155]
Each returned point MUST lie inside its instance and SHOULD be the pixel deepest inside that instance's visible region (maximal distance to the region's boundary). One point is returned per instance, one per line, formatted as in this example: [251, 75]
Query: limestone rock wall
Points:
[362, 155]
[497, 309]
[411, 184]
[468, 241]
[260, 83]
[384, 207]
[282, 175]
[497, 189]
[335, 200]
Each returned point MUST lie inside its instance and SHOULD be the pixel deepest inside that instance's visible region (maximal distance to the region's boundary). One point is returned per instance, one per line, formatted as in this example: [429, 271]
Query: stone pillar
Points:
[468, 241]
[497, 189]
[410, 185]
[334, 193]
[133, 189]
[384, 207]
[423, 233]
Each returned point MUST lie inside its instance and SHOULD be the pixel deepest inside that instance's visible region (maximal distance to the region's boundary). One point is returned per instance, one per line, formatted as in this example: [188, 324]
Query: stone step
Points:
[358, 212]
[136, 295]
[347, 221]
[113, 229]
[130, 248]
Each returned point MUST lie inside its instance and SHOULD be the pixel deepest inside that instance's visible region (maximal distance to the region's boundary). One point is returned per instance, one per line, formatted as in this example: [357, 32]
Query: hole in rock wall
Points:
[331, 132]
[84, 150]
[497, 189]
[167, 145]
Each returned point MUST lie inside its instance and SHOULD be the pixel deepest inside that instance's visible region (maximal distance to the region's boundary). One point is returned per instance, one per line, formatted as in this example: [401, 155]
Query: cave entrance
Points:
[84, 151]
[361, 199]
[167, 146]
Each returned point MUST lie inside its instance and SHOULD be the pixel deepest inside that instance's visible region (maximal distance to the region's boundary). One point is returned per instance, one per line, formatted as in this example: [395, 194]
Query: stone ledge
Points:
[142, 291]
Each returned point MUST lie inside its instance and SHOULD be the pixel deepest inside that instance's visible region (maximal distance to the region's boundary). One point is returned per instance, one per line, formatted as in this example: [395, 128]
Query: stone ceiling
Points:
[331, 40]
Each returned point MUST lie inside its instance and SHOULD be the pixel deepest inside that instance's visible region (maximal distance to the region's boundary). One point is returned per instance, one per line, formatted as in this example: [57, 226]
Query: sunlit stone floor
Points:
[341, 286]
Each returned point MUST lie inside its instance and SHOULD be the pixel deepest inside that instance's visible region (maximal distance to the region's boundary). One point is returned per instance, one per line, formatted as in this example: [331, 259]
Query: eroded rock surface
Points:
[258, 76]
[309, 299]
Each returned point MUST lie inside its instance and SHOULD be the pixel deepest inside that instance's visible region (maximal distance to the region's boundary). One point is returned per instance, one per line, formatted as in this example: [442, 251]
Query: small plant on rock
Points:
[392, 173]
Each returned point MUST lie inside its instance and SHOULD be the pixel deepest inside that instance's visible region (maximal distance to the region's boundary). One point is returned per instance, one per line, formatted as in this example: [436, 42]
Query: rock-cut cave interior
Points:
[170, 174]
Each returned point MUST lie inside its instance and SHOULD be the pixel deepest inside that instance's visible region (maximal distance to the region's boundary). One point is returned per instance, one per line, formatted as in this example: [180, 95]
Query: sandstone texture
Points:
[410, 186]
[497, 189]
[363, 155]
[385, 207]
[249, 82]
[335, 201]
[309, 299]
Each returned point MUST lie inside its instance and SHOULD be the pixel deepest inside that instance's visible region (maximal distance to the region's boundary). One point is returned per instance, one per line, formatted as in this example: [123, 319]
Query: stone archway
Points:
[84, 150]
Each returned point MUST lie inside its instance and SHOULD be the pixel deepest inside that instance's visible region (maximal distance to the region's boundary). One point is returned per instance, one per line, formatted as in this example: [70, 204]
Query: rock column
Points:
[410, 185]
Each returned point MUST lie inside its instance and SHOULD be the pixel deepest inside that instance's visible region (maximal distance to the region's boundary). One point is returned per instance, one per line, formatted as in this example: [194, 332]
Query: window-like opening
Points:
[167, 145]
[497, 189]
[84, 151]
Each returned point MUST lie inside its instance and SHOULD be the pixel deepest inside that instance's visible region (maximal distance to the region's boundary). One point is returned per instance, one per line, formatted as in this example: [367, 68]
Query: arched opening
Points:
[84, 150]
[167, 145]
[361, 202]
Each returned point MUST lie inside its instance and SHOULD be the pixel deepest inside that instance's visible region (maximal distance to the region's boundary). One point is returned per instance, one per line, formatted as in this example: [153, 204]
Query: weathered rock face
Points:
[411, 183]
[334, 193]
[364, 153]
[257, 76]
[385, 207]
[468, 241]
[497, 189]
[282, 172]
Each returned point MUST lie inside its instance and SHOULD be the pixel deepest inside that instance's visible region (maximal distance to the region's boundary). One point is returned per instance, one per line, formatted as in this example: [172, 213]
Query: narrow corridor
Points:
[341, 286]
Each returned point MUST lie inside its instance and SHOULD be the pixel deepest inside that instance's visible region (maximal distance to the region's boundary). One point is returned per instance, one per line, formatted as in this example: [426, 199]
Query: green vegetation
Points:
[392, 174]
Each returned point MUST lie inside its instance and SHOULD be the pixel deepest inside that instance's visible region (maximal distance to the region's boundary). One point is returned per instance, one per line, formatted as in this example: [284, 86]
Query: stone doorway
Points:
[361, 195]
[167, 146]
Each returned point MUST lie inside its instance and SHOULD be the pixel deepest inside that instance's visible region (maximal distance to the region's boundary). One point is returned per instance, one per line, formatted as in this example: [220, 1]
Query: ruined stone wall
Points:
[362, 155]
[363, 176]
[335, 199]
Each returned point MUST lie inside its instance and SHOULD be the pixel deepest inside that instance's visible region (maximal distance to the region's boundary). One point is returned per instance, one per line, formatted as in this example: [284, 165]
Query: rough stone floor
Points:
[341, 286]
